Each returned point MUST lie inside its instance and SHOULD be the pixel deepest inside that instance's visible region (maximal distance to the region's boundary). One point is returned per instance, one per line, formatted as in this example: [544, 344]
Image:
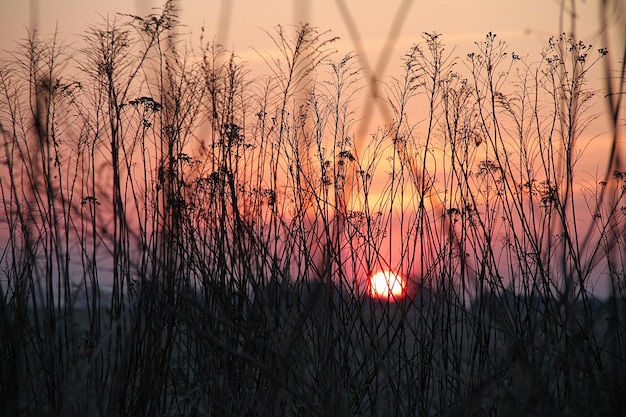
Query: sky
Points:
[524, 24]
[240, 24]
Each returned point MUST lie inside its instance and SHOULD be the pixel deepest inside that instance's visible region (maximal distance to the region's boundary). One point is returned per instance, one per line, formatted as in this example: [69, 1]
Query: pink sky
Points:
[524, 24]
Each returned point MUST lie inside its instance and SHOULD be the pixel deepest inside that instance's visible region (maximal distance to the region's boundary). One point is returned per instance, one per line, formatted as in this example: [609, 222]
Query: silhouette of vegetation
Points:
[181, 237]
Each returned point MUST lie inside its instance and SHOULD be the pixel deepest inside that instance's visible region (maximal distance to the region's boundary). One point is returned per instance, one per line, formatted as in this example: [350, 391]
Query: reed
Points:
[181, 237]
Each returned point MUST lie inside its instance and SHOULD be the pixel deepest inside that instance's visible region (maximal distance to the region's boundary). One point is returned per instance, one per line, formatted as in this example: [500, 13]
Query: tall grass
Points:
[182, 237]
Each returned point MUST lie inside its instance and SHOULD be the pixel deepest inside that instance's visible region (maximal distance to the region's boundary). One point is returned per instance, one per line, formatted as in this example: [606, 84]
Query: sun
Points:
[386, 284]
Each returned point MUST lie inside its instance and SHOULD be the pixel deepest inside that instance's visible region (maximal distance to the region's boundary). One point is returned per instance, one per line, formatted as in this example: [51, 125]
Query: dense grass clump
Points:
[182, 237]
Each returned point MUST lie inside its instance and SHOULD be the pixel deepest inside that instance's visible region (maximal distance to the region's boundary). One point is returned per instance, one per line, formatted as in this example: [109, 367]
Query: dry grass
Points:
[184, 239]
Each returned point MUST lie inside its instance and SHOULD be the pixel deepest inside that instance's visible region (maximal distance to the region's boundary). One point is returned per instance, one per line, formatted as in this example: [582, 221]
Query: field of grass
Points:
[181, 237]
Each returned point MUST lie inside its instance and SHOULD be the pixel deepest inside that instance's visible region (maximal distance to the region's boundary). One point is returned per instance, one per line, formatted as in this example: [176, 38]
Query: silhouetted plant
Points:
[183, 238]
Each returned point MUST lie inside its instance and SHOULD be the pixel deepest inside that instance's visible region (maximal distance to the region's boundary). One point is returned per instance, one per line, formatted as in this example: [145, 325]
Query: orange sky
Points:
[524, 24]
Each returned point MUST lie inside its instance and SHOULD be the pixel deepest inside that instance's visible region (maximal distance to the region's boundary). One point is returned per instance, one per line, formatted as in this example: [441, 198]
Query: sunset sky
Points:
[524, 24]
[240, 24]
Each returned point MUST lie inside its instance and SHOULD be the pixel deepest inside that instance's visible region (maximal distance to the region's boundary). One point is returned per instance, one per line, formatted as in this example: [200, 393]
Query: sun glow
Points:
[386, 284]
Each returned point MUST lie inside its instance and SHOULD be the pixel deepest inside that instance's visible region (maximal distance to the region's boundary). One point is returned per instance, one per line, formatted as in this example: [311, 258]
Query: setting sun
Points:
[386, 284]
